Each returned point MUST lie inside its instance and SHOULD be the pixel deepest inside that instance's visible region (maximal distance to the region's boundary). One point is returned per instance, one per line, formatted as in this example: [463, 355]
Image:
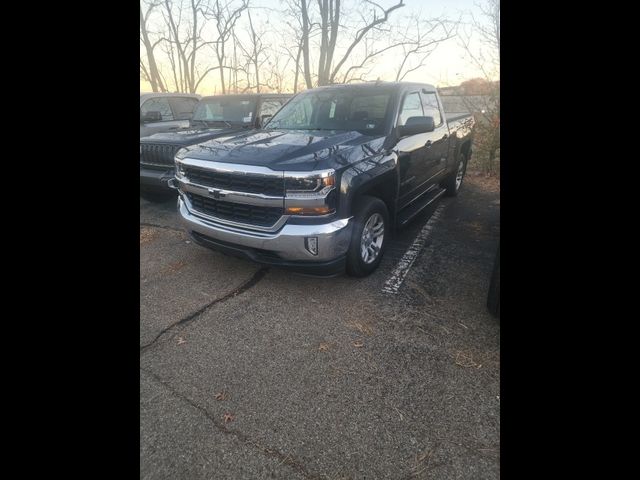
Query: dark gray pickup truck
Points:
[324, 184]
[213, 117]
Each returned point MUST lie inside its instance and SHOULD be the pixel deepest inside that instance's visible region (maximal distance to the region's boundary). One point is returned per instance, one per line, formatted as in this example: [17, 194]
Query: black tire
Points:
[157, 196]
[449, 184]
[493, 298]
[364, 209]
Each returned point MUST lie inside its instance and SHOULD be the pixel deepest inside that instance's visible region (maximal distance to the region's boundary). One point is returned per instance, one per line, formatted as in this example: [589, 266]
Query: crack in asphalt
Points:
[255, 278]
[285, 459]
[165, 227]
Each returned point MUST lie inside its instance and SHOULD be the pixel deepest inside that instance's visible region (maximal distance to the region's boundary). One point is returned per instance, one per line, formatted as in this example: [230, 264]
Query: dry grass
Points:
[362, 327]
[490, 184]
[466, 360]
[174, 266]
[421, 462]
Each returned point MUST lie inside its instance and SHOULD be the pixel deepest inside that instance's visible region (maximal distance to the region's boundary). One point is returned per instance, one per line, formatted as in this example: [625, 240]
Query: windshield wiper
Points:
[223, 121]
[204, 122]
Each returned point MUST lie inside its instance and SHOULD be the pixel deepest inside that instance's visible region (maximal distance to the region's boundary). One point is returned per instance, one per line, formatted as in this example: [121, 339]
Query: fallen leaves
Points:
[358, 344]
[362, 327]
[221, 396]
[181, 341]
[146, 235]
[466, 361]
[323, 347]
[228, 417]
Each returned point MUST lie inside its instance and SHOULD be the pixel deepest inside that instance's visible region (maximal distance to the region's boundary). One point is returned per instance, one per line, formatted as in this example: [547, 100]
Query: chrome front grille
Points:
[243, 196]
[260, 216]
[158, 155]
[238, 182]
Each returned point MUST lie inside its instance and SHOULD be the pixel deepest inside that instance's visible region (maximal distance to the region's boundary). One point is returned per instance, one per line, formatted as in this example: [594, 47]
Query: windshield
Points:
[229, 110]
[363, 110]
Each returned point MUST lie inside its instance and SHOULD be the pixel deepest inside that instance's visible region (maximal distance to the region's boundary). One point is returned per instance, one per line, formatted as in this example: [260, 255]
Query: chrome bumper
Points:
[288, 243]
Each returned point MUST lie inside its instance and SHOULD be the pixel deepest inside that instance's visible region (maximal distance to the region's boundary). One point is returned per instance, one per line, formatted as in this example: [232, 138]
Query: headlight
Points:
[310, 193]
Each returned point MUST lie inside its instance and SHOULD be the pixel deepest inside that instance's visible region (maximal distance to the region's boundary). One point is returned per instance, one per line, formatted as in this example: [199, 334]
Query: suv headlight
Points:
[310, 193]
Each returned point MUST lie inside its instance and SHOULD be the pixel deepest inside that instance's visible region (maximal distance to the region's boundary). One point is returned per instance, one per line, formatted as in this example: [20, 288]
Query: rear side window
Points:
[271, 106]
[412, 107]
[371, 108]
[430, 105]
[158, 105]
[183, 106]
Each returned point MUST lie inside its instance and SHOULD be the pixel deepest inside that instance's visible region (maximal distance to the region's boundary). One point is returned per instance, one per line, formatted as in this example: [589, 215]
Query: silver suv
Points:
[162, 112]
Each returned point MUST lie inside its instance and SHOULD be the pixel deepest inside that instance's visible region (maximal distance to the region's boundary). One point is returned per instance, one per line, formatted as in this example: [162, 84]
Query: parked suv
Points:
[214, 117]
[161, 112]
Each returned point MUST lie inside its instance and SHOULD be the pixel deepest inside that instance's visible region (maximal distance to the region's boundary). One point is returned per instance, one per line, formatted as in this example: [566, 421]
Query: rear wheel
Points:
[453, 182]
[369, 236]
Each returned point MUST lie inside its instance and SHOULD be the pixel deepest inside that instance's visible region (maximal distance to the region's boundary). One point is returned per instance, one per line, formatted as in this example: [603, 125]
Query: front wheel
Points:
[369, 236]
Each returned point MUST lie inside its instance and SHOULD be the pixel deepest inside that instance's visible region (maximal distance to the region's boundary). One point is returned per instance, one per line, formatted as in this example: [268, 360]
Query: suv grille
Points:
[235, 212]
[158, 155]
[266, 185]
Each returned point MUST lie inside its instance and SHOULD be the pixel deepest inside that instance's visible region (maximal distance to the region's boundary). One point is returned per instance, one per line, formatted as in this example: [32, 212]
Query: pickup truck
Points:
[214, 116]
[323, 185]
[161, 112]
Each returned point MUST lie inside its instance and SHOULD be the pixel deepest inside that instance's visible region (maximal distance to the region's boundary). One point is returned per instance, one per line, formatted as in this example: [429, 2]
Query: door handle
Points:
[428, 144]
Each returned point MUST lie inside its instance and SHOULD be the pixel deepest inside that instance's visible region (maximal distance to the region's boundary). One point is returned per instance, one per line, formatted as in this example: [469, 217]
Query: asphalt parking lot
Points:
[255, 372]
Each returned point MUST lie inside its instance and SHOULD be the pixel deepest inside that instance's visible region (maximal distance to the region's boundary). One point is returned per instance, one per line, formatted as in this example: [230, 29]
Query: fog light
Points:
[311, 244]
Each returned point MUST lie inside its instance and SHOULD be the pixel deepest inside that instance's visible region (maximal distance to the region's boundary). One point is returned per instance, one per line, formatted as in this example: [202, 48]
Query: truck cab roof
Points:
[399, 85]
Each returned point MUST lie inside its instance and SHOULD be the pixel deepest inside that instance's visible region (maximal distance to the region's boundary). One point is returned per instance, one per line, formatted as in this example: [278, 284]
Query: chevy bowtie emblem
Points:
[215, 193]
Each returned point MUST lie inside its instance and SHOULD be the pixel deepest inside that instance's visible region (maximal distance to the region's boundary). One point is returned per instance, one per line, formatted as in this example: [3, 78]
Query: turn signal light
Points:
[324, 210]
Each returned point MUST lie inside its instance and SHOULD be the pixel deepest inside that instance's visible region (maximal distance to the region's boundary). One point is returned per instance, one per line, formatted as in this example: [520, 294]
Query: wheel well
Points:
[385, 190]
[465, 149]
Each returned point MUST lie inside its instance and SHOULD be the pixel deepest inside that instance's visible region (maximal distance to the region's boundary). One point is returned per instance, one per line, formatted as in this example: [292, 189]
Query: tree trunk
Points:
[154, 77]
[305, 43]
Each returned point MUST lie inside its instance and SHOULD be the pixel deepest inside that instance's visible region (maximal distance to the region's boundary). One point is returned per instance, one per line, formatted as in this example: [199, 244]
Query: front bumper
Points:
[285, 248]
[156, 179]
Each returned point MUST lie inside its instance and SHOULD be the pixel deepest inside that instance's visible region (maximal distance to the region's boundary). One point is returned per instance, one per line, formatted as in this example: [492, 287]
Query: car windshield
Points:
[354, 109]
[225, 110]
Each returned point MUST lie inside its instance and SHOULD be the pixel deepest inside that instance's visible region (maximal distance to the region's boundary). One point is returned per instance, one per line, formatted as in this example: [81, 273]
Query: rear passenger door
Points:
[412, 151]
[438, 142]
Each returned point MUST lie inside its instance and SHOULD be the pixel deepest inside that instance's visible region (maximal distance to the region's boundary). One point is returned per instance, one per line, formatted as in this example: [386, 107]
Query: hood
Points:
[190, 136]
[295, 150]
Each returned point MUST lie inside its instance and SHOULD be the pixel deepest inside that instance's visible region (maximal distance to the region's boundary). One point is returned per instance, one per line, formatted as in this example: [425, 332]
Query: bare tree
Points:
[428, 35]
[350, 40]
[150, 74]
[379, 16]
[188, 24]
[225, 15]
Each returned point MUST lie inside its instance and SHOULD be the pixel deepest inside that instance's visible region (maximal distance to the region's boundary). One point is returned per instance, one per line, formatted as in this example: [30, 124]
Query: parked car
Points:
[321, 187]
[214, 116]
[493, 298]
[161, 112]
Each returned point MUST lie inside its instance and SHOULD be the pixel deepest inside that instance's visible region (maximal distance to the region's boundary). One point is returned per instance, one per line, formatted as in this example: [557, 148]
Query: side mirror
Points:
[150, 117]
[264, 119]
[416, 125]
